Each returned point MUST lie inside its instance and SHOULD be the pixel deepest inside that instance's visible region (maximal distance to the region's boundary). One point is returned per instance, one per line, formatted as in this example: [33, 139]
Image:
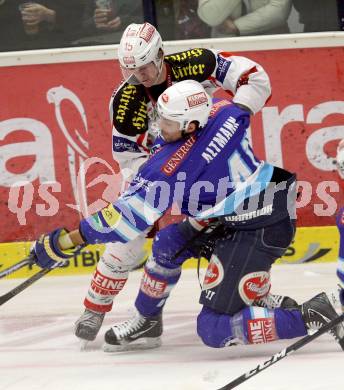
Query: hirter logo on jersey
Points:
[164, 97]
[253, 286]
[147, 32]
[214, 274]
[197, 99]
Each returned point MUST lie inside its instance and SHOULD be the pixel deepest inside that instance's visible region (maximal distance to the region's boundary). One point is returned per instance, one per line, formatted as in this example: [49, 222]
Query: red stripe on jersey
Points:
[213, 80]
[268, 99]
[245, 77]
[140, 142]
[225, 53]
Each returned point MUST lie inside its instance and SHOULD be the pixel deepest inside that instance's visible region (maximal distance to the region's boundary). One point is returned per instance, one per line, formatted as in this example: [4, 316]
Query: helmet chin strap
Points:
[185, 134]
[159, 71]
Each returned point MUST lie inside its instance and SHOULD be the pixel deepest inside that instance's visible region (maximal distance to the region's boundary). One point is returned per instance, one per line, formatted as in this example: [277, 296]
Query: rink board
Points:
[56, 157]
[312, 244]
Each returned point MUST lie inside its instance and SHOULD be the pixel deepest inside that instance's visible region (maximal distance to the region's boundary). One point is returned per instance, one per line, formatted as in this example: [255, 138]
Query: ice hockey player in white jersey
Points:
[147, 74]
[203, 162]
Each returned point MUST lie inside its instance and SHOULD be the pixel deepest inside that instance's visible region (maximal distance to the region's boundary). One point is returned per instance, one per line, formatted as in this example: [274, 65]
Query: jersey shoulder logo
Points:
[129, 105]
[196, 64]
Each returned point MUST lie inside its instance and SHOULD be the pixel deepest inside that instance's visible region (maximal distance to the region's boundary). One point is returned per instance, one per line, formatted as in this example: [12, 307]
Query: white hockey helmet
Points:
[140, 45]
[340, 159]
[185, 102]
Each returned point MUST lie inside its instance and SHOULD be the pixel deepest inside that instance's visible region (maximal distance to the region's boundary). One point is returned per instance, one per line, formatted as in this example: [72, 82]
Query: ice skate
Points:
[317, 312]
[274, 301]
[88, 325]
[137, 333]
[336, 298]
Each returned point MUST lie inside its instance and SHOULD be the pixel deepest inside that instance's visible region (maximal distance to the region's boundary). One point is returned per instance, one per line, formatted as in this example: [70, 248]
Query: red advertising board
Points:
[53, 117]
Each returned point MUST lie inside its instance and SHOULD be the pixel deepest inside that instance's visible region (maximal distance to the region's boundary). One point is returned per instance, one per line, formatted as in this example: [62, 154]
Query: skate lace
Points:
[91, 319]
[271, 301]
[129, 327]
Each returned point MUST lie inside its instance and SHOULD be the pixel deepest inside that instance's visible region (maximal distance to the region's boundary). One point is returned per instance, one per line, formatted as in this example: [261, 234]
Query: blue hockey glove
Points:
[47, 253]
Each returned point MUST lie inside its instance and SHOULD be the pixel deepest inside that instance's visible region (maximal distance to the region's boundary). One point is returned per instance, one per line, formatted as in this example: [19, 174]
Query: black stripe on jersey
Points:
[195, 64]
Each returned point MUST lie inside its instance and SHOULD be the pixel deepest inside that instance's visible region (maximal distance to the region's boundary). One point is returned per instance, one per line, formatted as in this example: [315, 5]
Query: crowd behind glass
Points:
[41, 24]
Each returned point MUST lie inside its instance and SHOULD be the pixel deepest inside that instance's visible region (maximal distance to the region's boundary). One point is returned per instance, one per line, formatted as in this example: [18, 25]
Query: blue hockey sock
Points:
[252, 325]
[162, 270]
[156, 284]
[263, 325]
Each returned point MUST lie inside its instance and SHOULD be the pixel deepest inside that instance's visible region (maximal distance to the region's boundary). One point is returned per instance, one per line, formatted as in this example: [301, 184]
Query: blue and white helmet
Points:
[185, 102]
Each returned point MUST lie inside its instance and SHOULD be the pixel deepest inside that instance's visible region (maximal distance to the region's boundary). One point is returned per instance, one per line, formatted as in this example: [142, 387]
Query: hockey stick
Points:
[15, 267]
[282, 354]
[15, 291]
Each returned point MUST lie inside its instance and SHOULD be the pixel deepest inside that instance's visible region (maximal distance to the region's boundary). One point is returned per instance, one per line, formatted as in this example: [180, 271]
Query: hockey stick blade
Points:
[8, 271]
[27, 283]
[282, 354]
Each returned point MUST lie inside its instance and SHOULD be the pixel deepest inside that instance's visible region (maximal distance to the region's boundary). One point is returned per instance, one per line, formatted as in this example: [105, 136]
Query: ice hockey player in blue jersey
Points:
[147, 72]
[203, 163]
[340, 224]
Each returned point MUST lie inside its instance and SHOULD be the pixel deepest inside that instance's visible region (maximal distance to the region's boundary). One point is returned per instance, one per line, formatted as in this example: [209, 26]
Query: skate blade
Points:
[83, 344]
[143, 343]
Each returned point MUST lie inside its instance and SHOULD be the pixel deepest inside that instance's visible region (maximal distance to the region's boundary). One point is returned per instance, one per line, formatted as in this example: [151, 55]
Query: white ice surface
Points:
[39, 351]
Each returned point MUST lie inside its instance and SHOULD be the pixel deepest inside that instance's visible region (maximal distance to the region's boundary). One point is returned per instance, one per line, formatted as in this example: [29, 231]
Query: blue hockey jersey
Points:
[207, 175]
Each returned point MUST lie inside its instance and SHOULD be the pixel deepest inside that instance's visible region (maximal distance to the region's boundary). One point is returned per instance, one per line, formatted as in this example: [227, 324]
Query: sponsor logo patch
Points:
[104, 285]
[147, 32]
[126, 96]
[254, 285]
[261, 330]
[222, 68]
[110, 215]
[164, 97]
[153, 287]
[130, 60]
[197, 99]
[218, 105]
[120, 144]
[214, 274]
[176, 159]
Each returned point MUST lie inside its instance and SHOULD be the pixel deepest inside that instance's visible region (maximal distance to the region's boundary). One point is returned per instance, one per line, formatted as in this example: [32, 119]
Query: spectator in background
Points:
[103, 21]
[318, 15]
[238, 18]
[189, 25]
[51, 23]
[166, 20]
[43, 24]
[11, 26]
